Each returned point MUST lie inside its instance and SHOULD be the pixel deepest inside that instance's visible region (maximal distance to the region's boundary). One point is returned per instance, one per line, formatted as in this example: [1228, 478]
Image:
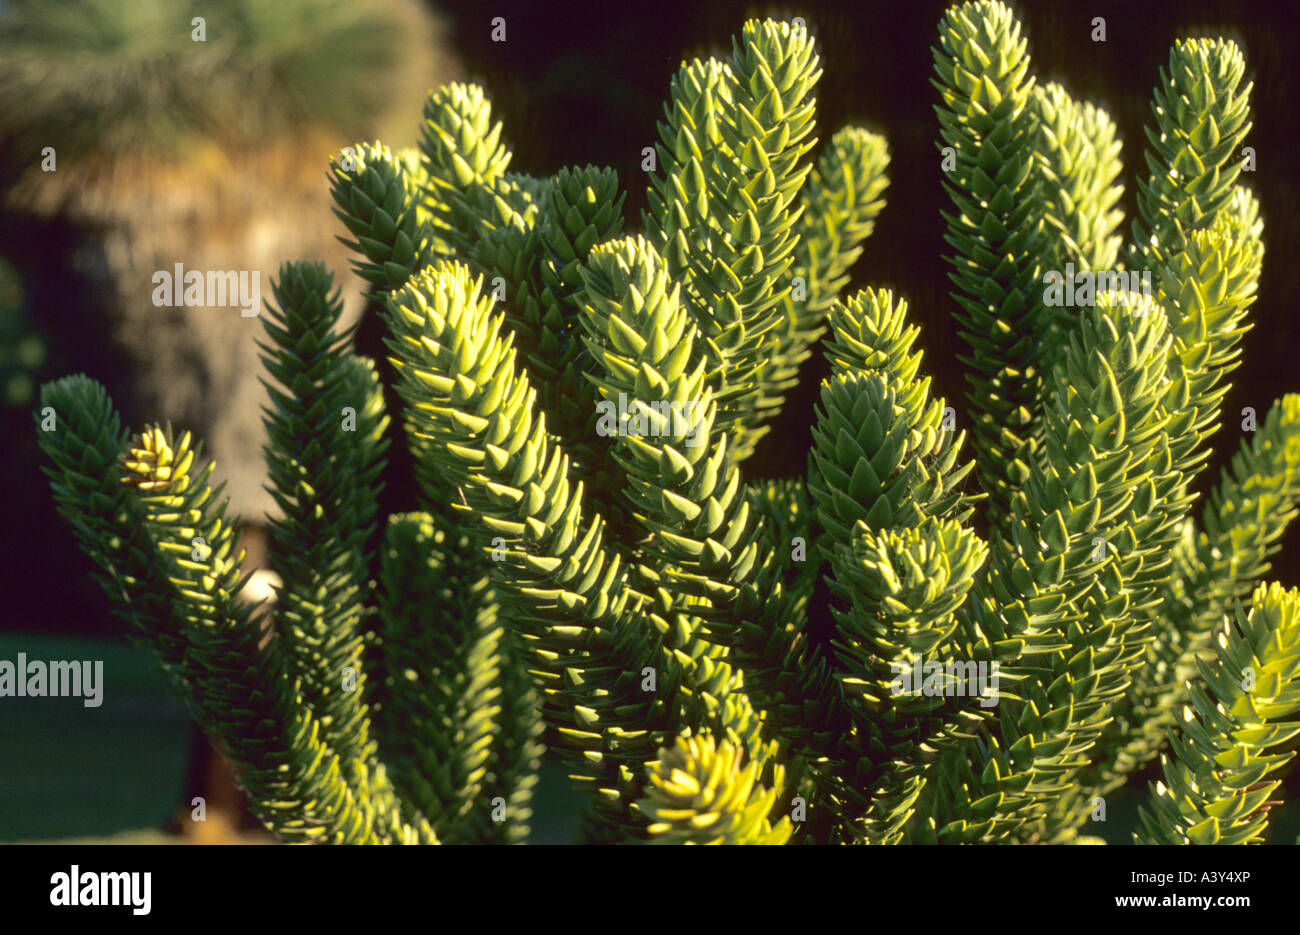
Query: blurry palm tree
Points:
[195, 132]
[116, 77]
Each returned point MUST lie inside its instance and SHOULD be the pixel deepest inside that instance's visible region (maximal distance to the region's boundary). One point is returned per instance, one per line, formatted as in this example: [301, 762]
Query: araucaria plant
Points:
[598, 562]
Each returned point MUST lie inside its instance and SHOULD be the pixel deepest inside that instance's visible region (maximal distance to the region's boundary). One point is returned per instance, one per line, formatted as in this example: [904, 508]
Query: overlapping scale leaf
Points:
[517, 755]
[186, 614]
[507, 250]
[974, 794]
[83, 442]
[429, 624]
[723, 208]
[679, 484]
[1241, 526]
[700, 793]
[787, 677]
[1081, 184]
[412, 164]
[379, 203]
[585, 209]
[1109, 467]
[325, 453]
[691, 515]
[1202, 114]
[839, 205]
[590, 632]
[861, 467]
[863, 473]
[1076, 557]
[997, 229]
[1209, 286]
[462, 155]
[445, 733]
[870, 334]
[783, 507]
[1078, 167]
[1215, 789]
[901, 589]
[298, 784]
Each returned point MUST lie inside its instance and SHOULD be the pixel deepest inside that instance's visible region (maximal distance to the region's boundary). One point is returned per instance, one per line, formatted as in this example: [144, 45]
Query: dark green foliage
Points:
[594, 551]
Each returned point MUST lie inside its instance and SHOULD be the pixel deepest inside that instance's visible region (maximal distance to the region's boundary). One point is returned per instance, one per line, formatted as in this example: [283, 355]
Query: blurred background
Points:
[212, 153]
